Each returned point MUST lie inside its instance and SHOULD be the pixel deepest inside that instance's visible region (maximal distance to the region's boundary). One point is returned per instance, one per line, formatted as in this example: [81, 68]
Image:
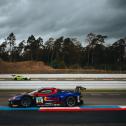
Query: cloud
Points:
[74, 18]
[118, 4]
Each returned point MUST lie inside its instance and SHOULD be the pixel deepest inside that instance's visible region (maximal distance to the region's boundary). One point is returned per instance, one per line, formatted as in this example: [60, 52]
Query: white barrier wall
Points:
[67, 75]
[63, 84]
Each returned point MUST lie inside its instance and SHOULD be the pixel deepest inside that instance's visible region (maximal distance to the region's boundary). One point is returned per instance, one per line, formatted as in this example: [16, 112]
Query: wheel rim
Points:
[26, 102]
[71, 102]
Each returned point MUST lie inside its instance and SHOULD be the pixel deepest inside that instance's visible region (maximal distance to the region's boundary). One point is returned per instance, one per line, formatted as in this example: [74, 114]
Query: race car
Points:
[20, 77]
[48, 97]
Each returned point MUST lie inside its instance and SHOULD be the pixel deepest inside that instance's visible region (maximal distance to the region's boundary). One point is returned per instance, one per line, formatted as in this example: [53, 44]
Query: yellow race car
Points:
[20, 77]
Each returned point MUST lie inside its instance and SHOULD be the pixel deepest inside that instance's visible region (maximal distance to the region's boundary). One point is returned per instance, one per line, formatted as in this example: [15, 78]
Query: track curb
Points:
[68, 109]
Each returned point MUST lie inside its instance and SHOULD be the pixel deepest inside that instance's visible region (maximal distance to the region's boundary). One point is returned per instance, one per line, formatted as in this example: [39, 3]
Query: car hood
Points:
[17, 96]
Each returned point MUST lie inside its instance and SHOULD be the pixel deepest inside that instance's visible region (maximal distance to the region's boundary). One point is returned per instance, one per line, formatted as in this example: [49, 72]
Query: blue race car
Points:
[48, 97]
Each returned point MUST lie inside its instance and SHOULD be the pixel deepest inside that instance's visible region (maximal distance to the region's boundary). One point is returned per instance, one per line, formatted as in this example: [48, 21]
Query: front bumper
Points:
[12, 103]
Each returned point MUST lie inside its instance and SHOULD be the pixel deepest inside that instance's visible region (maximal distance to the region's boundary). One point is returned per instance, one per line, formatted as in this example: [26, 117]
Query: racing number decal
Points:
[39, 99]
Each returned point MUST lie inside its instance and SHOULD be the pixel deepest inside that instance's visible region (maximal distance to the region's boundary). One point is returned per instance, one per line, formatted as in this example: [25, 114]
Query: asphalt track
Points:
[84, 118]
[34, 118]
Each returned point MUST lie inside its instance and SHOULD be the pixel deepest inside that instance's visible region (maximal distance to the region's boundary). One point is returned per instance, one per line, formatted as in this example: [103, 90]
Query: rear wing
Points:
[80, 89]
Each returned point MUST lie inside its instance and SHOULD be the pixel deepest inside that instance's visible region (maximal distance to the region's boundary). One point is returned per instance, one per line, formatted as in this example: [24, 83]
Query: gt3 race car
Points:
[48, 97]
[20, 77]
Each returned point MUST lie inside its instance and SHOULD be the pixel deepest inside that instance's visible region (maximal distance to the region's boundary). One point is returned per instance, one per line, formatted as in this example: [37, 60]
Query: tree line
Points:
[67, 52]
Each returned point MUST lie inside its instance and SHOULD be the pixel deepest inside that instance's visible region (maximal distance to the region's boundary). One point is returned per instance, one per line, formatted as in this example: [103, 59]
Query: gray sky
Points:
[69, 18]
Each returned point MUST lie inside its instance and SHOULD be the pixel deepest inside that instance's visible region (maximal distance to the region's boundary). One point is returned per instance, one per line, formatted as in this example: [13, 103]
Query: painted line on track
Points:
[81, 110]
[68, 109]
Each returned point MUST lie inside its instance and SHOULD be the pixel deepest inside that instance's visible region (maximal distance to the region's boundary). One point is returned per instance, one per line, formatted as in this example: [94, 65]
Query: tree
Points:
[3, 51]
[118, 53]
[11, 41]
[34, 48]
[21, 48]
[93, 41]
[57, 49]
[71, 52]
[38, 49]
[30, 47]
[49, 46]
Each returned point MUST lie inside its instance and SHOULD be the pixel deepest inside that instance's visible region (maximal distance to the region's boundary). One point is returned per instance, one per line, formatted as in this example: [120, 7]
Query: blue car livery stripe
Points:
[6, 108]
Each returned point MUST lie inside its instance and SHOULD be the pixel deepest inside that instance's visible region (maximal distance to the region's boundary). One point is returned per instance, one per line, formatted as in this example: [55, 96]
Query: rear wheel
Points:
[70, 101]
[81, 102]
[25, 78]
[26, 102]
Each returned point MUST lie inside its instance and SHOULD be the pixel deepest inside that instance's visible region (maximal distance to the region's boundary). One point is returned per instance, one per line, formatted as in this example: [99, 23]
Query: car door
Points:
[42, 95]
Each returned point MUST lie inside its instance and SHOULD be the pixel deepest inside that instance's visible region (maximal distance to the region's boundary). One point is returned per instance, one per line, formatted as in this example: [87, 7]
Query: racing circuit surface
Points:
[33, 117]
[85, 118]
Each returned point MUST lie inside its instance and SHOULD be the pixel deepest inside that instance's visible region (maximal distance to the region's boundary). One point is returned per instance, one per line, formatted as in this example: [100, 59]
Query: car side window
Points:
[45, 91]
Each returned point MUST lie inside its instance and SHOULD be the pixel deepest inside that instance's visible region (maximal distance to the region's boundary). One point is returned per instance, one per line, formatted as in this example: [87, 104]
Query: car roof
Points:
[49, 88]
[54, 90]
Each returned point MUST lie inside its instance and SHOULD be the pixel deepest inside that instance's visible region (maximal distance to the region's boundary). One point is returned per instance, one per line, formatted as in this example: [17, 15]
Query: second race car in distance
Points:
[20, 77]
[48, 97]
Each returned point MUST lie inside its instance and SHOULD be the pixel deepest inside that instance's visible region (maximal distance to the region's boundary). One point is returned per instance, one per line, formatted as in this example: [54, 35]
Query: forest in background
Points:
[67, 53]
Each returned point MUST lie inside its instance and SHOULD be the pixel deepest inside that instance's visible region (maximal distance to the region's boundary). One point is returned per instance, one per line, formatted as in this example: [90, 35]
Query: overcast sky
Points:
[69, 18]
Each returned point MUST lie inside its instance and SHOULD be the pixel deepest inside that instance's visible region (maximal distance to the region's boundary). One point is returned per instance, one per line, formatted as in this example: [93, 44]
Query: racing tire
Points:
[70, 101]
[81, 103]
[10, 105]
[26, 101]
[25, 79]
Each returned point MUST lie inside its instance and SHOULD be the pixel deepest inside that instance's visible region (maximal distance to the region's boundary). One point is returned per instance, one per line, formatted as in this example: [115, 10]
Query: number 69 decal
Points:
[39, 99]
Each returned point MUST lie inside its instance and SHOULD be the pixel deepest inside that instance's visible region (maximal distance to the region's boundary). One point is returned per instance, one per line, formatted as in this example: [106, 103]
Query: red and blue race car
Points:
[48, 97]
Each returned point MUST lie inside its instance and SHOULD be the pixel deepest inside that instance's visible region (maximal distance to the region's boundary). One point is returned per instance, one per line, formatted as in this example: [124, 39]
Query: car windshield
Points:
[45, 91]
[32, 92]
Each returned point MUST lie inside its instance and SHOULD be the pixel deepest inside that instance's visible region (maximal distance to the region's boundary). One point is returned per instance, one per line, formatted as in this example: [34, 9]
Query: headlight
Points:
[13, 97]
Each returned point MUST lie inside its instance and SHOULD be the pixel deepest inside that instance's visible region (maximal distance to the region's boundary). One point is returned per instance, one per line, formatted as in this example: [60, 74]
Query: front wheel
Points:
[26, 102]
[15, 78]
[70, 101]
[10, 105]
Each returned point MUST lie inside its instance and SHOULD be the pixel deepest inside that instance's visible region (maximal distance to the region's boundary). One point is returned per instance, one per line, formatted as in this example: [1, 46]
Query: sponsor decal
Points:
[39, 100]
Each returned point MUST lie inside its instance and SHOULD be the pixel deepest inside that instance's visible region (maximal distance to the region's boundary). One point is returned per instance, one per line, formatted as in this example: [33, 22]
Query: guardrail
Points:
[63, 84]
